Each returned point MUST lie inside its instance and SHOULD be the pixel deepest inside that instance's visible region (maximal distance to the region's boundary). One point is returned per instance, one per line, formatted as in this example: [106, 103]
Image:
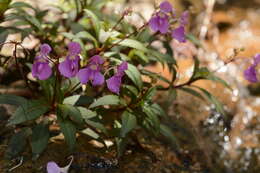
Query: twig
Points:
[16, 166]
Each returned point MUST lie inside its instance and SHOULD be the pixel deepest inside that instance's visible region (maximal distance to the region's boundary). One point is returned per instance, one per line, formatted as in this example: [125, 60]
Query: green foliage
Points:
[90, 110]
[40, 138]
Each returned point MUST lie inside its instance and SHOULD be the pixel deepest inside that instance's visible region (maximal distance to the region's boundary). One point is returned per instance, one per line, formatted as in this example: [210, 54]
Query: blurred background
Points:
[222, 145]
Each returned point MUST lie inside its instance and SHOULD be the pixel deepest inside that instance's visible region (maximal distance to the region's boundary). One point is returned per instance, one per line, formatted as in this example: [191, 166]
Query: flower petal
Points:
[153, 23]
[113, 84]
[166, 7]
[179, 34]
[96, 60]
[122, 67]
[45, 49]
[257, 59]
[163, 24]
[184, 18]
[74, 48]
[84, 75]
[41, 70]
[98, 79]
[52, 167]
[69, 68]
[250, 74]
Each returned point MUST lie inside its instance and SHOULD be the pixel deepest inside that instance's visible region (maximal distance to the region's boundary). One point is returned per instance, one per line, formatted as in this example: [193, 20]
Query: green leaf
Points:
[86, 113]
[96, 125]
[212, 77]
[133, 73]
[213, 100]
[162, 57]
[152, 118]
[72, 112]
[3, 34]
[17, 143]
[87, 35]
[69, 131]
[157, 109]
[129, 122]
[21, 5]
[90, 133]
[132, 89]
[40, 138]
[139, 54]
[33, 22]
[68, 35]
[132, 44]
[95, 21]
[166, 131]
[194, 40]
[30, 110]
[121, 144]
[78, 100]
[155, 75]
[12, 100]
[192, 92]
[106, 100]
[149, 94]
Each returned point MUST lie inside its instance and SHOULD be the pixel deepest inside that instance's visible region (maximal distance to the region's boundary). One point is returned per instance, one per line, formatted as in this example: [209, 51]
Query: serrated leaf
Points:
[30, 110]
[132, 44]
[106, 100]
[129, 122]
[12, 100]
[40, 138]
[133, 73]
[69, 131]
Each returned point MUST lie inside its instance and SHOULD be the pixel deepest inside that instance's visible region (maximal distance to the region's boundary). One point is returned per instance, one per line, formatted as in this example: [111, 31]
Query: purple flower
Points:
[159, 22]
[114, 82]
[166, 7]
[250, 74]
[179, 34]
[41, 68]
[92, 72]
[70, 67]
[52, 167]
[45, 49]
[184, 18]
